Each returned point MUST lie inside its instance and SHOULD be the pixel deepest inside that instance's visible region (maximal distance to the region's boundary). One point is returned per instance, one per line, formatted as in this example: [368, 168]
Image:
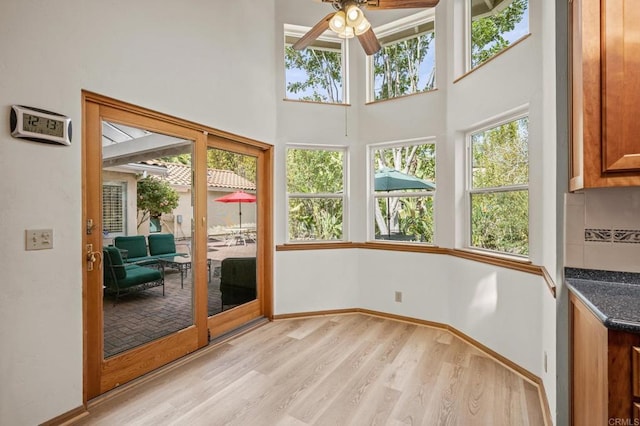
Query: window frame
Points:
[373, 196]
[123, 199]
[468, 20]
[297, 31]
[390, 29]
[470, 191]
[344, 195]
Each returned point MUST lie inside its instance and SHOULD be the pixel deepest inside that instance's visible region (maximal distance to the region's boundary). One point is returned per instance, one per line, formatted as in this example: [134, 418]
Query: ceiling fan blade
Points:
[400, 4]
[369, 42]
[313, 33]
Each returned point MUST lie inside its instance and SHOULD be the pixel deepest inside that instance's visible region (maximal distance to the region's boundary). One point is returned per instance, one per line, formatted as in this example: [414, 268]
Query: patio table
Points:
[183, 264]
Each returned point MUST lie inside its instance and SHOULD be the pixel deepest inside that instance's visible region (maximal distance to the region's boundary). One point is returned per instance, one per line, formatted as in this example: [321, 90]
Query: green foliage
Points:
[315, 219]
[414, 160]
[323, 69]
[501, 155]
[487, 33]
[312, 171]
[180, 159]
[500, 222]
[154, 198]
[397, 67]
[500, 219]
[315, 171]
[240, 164]
[416, 218]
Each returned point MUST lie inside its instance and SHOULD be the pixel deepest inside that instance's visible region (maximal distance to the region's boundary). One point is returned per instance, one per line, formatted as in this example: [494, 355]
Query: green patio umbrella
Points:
[388, 179]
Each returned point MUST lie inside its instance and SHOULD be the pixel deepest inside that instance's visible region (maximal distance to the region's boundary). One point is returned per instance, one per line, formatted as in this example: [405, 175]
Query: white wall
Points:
[190, 59]
[511, 312]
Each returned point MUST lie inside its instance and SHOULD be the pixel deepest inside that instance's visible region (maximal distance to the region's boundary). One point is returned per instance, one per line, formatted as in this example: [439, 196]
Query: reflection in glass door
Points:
[147, 199]
[232, 229]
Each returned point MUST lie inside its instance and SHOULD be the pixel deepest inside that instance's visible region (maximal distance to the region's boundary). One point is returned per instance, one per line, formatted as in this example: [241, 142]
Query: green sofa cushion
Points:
[112, 258]
[161, 244]
[139, 275]
[136, 245]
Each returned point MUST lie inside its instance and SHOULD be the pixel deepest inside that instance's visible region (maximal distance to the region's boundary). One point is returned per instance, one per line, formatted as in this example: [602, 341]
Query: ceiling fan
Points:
[349, 21]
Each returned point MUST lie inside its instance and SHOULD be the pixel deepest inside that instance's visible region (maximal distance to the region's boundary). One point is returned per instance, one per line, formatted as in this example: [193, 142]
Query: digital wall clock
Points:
[39, 125]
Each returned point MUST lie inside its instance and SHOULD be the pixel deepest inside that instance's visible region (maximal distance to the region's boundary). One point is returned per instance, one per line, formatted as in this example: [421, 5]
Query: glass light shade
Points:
[354, 15]
[362, 27]
[338, 22]
[347, 32]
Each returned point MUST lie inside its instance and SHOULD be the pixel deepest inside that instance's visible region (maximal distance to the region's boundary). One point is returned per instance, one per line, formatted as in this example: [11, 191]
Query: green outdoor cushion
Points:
[112, 258]
[139, 275]
[161, 244]
[136, 245]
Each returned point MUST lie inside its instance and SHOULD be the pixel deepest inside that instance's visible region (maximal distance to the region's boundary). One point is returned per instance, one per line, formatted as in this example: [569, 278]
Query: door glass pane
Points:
[147, 233]
[232, 229]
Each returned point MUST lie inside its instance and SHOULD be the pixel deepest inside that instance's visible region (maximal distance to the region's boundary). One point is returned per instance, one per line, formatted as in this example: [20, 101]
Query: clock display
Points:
[43, 126]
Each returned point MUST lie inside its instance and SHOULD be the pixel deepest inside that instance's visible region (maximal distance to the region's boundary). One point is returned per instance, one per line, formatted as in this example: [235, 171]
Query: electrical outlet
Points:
[398, 296]
[38, 239]
[545, 361]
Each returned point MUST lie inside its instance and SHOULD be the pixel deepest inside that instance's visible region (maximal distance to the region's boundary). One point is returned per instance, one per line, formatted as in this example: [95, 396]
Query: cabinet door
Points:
[589, 369]
[621, 85]
[635, 370]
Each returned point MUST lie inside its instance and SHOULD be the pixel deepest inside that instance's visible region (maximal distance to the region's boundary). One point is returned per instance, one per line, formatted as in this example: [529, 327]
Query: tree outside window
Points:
[499, 182]
[315, 194]
[407, 213]
[406, 63]
[495, 27]
[154, 198]
[315, 73]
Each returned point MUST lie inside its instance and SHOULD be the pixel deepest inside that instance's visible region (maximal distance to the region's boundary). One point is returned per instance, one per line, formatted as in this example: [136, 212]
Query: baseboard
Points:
[521, 371]
[68, 418]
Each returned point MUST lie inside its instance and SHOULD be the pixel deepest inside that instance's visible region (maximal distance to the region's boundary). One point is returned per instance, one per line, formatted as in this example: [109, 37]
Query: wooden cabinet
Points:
[604, 371]
[605, 93]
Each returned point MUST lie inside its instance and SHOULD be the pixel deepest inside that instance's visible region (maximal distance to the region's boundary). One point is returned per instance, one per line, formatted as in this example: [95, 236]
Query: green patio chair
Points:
[121, 278]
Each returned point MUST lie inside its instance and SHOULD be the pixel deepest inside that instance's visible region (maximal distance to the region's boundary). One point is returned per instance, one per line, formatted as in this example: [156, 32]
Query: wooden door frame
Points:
[167, 349]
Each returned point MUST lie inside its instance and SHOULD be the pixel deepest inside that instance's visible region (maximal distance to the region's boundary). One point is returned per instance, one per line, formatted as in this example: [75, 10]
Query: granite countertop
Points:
[614, 297]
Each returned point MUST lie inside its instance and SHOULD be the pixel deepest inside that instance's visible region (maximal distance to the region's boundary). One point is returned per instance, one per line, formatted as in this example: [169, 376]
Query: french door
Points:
[130, 155]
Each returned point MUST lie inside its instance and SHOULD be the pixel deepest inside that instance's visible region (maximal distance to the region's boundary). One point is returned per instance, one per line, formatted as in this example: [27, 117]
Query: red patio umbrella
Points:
[238, 197]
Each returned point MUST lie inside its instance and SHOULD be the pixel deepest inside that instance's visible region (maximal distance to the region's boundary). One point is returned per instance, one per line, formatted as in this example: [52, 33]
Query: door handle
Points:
[92, 257]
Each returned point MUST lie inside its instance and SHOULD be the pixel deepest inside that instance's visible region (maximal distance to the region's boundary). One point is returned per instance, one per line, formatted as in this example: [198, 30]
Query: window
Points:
[315, 73]
[498, 188]
[403, 184]
[406, 64]
[316, 195]
[113, 210]
[495, 26]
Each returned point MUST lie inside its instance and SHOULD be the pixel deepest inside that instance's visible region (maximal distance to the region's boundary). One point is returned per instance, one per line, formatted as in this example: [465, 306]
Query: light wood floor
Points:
[350, 369]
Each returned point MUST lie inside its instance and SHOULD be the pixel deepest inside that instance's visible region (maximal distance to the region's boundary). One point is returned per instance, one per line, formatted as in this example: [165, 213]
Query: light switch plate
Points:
[38, 239]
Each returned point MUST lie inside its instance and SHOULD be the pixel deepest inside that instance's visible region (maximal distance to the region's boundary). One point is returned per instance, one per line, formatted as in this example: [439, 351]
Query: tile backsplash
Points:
[602, 229]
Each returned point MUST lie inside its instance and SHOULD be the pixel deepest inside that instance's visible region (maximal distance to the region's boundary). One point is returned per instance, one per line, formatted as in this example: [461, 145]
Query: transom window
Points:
[495, 25]
[316, 197]
[498, 187]
[403, 191]
[406, 64]
[316, 73]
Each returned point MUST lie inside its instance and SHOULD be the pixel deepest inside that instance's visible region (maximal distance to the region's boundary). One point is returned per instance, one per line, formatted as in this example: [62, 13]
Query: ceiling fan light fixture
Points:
[354, 15]
[347, 32]
[338, 22]
[362, 27]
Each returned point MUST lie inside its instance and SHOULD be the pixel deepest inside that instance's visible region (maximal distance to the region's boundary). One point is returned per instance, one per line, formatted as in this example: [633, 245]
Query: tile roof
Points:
[180, 174]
